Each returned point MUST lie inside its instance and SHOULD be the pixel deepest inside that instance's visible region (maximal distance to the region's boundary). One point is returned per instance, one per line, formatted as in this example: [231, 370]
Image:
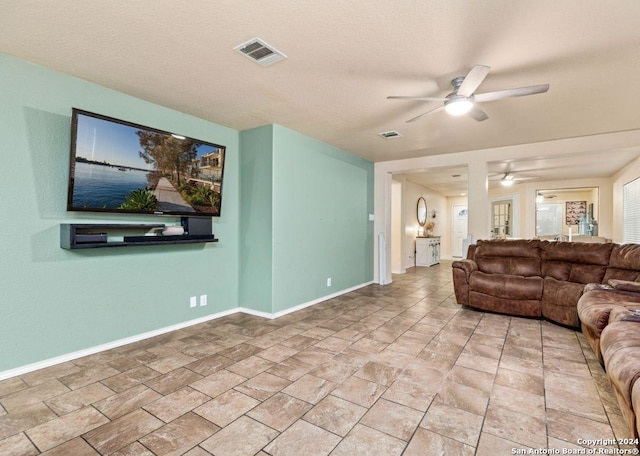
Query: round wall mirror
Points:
[422, 211]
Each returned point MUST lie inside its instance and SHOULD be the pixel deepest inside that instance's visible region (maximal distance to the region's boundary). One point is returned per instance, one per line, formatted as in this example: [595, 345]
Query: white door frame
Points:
[454, 238]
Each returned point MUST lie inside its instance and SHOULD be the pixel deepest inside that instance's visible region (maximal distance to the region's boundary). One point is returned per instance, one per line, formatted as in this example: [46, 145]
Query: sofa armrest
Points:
[620, 313]
[462, 270]
[597, 286]
[468, 266]
[625, 285]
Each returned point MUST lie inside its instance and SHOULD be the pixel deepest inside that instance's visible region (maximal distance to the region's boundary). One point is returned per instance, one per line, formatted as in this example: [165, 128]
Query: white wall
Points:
[630, 173]
[435, 201]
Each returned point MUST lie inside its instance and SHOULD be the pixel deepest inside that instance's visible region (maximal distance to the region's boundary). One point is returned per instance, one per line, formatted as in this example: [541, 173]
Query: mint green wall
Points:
[297, 216]
[54, 301]
[321, 200]
[304, 218]
[256, 169]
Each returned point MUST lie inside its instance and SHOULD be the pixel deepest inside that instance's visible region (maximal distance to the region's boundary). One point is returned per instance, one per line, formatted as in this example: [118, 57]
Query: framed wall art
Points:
[575, 210]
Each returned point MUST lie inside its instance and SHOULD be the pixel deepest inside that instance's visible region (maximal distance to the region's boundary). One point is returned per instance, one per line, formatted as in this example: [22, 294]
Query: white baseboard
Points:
[109, 345]
[157, 332]
[319, 300]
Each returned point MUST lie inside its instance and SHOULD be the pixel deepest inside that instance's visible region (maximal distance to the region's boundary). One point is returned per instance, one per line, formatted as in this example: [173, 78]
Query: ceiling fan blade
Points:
[416, 98]
[519, 92]
[526, 178]
[473, 80]
[478, 114]
[425, 114]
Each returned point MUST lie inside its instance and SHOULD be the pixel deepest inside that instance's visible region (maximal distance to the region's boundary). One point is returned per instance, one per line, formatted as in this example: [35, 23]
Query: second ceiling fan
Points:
[463, 99]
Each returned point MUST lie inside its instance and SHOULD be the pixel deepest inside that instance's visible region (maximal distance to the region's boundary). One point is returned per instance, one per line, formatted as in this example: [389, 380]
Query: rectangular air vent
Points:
[260, 52]
[390, 134]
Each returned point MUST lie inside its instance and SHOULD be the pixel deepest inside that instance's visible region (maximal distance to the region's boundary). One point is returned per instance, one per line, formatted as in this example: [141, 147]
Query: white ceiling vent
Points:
[390, 134]
[260, 52]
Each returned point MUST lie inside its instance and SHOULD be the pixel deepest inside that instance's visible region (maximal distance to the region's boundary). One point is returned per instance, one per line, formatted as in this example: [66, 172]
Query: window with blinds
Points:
[549, 219]
[631, 212]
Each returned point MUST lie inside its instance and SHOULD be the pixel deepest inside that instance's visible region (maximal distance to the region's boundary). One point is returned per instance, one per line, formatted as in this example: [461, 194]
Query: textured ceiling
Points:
[346, 57]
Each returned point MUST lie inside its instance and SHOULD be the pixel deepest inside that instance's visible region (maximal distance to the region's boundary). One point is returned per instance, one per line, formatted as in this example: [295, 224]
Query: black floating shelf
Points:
[91, 236]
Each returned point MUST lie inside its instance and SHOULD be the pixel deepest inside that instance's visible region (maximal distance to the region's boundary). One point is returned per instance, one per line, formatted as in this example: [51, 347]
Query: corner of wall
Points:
[256, 219]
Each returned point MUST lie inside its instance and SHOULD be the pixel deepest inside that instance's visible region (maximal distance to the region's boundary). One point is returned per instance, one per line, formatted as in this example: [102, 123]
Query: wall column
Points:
[478, 197]
[382, 223]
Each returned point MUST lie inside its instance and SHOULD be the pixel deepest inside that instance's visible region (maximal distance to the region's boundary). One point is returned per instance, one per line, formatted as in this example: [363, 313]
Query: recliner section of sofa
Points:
[567, 267]
[501, 276]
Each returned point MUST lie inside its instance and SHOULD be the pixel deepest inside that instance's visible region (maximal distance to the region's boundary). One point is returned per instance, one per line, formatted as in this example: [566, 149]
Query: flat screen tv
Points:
[122, 167]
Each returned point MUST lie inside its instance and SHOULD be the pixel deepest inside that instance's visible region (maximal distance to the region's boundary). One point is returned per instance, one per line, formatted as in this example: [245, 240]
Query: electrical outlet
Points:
[192, 301]
[329, 282]
[203, 300]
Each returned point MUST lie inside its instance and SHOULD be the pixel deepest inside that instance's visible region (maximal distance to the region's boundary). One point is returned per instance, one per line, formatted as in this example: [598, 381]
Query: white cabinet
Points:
[421, 252]
[427, 251]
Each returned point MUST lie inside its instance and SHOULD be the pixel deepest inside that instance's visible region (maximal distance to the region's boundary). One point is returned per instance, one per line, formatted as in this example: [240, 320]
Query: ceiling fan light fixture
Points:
[507, 180]
[458, 106]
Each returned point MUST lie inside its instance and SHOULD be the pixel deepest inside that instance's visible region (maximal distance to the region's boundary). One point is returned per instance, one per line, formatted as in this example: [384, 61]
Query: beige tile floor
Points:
[400, 369]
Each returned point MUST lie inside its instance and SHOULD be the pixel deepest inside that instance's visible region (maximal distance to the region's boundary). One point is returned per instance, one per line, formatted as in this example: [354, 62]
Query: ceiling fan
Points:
[540, 197]
[507, 179]
[463, 99]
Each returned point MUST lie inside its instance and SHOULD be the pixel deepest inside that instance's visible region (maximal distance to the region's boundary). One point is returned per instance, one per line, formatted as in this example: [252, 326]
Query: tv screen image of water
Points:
[100, 186]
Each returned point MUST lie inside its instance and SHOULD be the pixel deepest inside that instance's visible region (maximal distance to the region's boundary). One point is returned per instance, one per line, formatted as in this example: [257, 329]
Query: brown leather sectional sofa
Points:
[531, 278]
[592, 286]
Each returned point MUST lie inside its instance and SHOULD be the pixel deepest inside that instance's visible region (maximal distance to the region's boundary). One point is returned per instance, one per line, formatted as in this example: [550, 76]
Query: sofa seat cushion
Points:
[508, 294]
[507, 306]
[506, 286]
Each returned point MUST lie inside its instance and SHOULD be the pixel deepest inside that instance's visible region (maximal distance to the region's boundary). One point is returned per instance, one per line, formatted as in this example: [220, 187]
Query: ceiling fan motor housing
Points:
[457, 82]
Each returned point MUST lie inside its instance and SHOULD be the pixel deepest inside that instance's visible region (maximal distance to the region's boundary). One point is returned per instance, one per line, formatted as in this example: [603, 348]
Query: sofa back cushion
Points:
[624, 263]
[576, 262]
[512, 257]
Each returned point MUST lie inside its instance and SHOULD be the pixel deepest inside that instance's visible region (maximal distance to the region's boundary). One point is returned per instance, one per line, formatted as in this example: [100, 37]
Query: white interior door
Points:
[459, 216]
